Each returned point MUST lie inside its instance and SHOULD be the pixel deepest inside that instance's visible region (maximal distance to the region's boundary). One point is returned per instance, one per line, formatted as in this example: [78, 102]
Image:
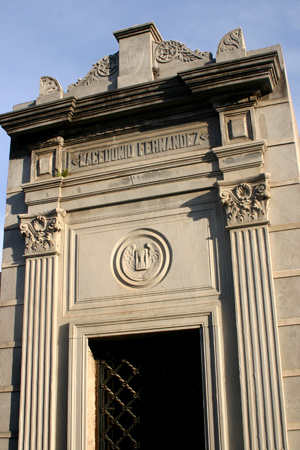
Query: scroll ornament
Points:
[42, 234]
[49, 85]
[103, 68]
[167, 51]
[245, 203]
[233, 40]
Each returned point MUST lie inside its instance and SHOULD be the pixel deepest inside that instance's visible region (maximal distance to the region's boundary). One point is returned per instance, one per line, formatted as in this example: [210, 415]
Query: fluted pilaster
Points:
[39, 365]
[259, 358]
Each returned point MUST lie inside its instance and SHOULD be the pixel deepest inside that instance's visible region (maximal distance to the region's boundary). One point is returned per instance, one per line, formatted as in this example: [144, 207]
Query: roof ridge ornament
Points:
[231, 46]
[50, 90]
[105, 67]
[49, 85]
[167, 51]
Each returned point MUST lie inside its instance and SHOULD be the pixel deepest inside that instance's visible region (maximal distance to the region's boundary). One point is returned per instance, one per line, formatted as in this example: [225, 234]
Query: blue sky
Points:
[63, 38]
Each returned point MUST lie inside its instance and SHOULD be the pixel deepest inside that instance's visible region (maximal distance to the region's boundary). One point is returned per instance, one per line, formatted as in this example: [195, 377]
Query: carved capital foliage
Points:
[245, 203]
[42, 233]
[167, 51]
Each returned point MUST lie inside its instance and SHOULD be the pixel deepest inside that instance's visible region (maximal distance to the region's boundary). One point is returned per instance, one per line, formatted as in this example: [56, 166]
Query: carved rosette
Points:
[42, 233]
[245, 203]
[167, 51]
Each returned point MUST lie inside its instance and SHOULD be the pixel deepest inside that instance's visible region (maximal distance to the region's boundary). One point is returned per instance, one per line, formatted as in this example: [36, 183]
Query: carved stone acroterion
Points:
[233, 40]
[103, 68]
[167, 51]
[49, 85]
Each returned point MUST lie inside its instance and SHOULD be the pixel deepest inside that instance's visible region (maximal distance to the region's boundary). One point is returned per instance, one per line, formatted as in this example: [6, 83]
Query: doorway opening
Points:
[149, 392]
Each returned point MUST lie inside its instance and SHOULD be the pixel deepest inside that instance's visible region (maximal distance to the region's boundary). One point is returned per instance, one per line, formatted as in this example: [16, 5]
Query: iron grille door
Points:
[149, 392]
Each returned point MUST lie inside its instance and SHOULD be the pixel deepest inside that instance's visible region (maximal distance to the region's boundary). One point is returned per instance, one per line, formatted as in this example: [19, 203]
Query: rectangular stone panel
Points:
[9, 411]
[12, 283]
[292, 398]
[274, 122]
[15, 204]
[289, 338]
[282, 207]
[285, 249]
[11, 319]
[10, 367]
[13, 246]
[281, 161]
[189, 249]
[294, 439]
[18, 171]
[287, 295]
[8, 444]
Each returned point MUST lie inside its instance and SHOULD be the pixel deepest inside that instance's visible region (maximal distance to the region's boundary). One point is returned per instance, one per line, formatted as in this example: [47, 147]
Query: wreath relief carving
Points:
[141, 259]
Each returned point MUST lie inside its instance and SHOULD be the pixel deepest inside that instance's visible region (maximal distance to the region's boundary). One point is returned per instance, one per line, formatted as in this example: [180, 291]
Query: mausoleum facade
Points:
[151, 265]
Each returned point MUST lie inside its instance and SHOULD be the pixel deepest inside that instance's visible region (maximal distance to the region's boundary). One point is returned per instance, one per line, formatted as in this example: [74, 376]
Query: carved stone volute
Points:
[42, 232]
[245, 203]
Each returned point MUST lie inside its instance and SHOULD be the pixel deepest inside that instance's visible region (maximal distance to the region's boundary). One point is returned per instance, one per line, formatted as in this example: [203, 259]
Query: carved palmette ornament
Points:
[103, 68]
[167, 51]
[42, 234]
[245, 203]
[49, 85]
[233, 40]
[141, 259]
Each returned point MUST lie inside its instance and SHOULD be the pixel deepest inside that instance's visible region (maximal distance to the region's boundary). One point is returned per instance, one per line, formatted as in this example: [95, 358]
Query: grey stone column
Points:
[38, 372]
[263, 410]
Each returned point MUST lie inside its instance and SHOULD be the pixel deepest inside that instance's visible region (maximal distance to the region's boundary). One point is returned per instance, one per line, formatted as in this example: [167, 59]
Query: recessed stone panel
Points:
[285, 249]
[185, 259]
[9, 411]
[287, 295]
[292, 398]
[10, 367]
[289, 338]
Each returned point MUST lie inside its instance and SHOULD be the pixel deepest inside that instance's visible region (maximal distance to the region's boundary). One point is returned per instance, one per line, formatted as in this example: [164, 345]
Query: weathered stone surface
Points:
[231, 46]
[287, 293]
[160, 193]
[292, 399]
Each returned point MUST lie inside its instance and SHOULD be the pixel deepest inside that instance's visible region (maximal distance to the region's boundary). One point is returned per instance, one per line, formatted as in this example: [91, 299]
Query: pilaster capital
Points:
[42, 232]
[245, 201]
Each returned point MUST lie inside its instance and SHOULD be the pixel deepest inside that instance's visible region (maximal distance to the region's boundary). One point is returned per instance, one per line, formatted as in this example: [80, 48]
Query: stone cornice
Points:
[261, 71]
[44, 116]
[258, 72]
[42, 232]
[245, 201]
[241, 156]
[148, 27]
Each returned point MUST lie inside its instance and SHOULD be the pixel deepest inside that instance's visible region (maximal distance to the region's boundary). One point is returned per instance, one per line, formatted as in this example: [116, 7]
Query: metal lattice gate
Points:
[149, 392]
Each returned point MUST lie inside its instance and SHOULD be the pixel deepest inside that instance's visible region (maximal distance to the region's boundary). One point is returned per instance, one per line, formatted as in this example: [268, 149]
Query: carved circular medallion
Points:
[166, 51]
[141, 259]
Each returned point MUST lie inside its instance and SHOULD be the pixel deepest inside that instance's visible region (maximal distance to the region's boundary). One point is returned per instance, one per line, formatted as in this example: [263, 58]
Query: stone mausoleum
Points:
[151, 265]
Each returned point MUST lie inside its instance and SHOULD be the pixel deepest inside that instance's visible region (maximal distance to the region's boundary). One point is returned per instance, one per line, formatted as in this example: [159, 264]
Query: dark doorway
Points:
[149, 392]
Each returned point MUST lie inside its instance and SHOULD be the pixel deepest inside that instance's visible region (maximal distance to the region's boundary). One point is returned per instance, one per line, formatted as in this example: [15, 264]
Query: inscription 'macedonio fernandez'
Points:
[139, 148]
[141, 259]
